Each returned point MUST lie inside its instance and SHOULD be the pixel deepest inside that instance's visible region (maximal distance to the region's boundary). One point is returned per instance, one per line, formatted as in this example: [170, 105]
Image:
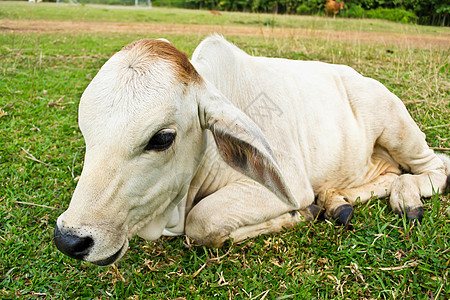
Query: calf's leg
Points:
[406, 144]
[285, 221]
[338, 203]
[241, 210]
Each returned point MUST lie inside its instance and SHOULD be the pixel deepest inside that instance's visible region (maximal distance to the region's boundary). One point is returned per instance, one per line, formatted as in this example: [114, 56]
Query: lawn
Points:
[42, 78]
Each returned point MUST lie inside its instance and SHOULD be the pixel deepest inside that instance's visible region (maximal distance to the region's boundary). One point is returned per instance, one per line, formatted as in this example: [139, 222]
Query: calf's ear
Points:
[241, 142]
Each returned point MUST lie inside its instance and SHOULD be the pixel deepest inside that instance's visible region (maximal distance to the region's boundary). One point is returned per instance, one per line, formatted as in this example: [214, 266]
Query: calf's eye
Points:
[162, 140]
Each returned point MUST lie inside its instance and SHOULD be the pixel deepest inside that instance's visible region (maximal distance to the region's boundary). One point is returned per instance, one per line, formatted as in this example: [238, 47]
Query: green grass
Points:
[49, 11]
[42, 77]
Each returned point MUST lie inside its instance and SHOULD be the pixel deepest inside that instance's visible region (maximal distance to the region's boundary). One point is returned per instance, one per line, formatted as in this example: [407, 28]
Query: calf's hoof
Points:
[343, 214]
[414, 214]
[317, 212]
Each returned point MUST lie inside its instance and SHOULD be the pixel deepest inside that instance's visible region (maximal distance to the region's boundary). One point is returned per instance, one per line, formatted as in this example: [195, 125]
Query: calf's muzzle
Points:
[72, 245]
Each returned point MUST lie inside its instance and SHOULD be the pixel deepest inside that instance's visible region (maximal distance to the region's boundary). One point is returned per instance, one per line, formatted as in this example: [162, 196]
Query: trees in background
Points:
[428, 12]
[425, 12]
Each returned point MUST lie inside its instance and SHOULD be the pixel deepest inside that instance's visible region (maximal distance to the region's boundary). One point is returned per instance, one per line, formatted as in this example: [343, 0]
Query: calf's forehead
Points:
[144, 81]
[149, 50]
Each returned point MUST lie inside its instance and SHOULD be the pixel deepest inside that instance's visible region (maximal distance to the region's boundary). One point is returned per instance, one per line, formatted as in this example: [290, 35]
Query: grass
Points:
[42, 77]
[49, 11]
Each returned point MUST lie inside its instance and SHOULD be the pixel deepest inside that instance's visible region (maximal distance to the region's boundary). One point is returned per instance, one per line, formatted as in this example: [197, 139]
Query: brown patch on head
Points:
[157, 49]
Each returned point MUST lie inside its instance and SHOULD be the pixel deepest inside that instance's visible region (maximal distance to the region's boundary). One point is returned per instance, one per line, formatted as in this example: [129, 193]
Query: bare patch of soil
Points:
[46, 26]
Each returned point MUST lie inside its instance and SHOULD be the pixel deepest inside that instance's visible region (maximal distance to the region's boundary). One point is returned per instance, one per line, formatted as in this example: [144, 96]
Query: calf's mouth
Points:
[112, 258]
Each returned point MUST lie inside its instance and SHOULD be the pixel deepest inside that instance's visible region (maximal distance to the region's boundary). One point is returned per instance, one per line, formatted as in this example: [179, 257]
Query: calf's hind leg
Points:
[406, 144]
[338, 204]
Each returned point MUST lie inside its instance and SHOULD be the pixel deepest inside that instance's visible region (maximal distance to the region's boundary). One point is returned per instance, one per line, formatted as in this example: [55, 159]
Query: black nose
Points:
[72, 245]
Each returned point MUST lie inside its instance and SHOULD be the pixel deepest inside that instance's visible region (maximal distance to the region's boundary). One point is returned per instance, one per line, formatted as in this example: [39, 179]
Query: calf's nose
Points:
[72, 245]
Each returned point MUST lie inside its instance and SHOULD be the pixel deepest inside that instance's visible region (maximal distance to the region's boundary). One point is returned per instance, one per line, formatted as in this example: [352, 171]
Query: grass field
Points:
[42, 78]
[47, 11]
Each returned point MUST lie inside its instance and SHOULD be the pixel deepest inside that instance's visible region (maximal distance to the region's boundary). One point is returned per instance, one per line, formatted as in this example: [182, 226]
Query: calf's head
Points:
[144, 117]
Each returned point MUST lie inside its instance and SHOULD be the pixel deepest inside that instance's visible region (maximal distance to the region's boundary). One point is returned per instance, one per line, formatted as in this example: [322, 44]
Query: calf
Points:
[231, 146]
[333, 7]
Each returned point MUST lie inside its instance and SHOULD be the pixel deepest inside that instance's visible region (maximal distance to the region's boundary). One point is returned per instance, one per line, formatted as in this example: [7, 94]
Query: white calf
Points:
[210, 148]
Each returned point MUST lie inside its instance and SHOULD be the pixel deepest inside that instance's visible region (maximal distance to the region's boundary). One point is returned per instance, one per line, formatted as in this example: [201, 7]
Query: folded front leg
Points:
[240, 210]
